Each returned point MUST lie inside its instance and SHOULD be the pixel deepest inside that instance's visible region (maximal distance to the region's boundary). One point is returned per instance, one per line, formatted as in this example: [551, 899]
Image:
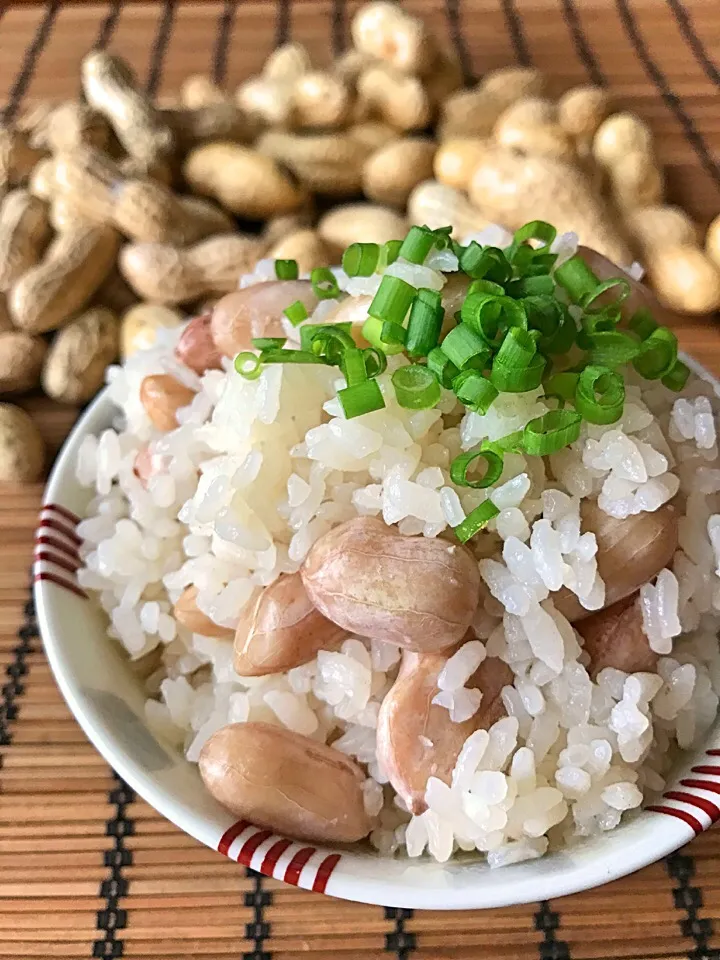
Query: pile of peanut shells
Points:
[120, 217]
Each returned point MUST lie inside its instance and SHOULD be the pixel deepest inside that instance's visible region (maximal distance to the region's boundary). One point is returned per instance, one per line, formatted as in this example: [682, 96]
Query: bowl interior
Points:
[107, 699]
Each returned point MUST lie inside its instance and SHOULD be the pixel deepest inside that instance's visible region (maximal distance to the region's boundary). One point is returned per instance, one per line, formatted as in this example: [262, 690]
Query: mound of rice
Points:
[258, 470]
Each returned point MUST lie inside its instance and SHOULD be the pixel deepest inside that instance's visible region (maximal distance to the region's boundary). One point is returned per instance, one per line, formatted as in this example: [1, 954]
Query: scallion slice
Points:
[465, 348]
[389, 252]
[424, 324]
[311, 330]
[290, 356]
[375, 361]
[442, 366]
[657, 354]
[534, 230]
[462, 465]
[576, 277]
[361, 398]
[286, 269]
[372, 331]
[600, 395]
[353, 366]
[562, 386]
[474, 390]
[324, 283]
[248, 365]
[393, 333]
[620, 285]
[417, 244]
[612, 349]
[296, 313]
[416, 387]
[488, 263]
[642, 323]
[510, 379]
[269, 343]
[330, 343]
[551, 432]
[392, 299]
[476, 520]
[361, 259]
[517, 349]
[677, 377]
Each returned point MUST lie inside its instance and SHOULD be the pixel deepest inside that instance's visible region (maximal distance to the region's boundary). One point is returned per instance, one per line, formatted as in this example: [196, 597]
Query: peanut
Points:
[321, 99]
[74, 123]
[305, 246]
[164, 274]
[162, 396]
[637, 181]
[505, 186]
[277, 228]
[437, 205]
[286, 782]
[712, 239]
[287, 63]
[685, 279]
[33, 123]
[198, 91]
[21, 360]
[419, 593]
[196, 347]
[455, 161]
[74, 266]
[110, 87]
[188, 615]
[614, 637]
[256, 311]
[324, 163]
[283, 631]
[75, 365]
[473, 113]
[384, 31]
[42, 181]
[22, 450]
[140, 325]
[207, 123]
[115, 294]
[244, 181]
[63, 215]
[581, 110]
[660, 226]
[416, 739]
[631, 552]
[24, 232]
[620, 134]
[204, 218]
[371, 135]
[391, 173]
[364, 222]
[394, 97]
[5, 321]
[17, 158]
[530, 126]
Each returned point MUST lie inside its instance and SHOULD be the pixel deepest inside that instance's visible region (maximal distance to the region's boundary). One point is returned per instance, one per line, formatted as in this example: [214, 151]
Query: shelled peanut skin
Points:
[119, 216]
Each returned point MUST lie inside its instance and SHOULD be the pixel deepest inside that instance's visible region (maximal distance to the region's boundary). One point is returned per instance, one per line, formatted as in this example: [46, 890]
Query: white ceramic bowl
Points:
[108, 702]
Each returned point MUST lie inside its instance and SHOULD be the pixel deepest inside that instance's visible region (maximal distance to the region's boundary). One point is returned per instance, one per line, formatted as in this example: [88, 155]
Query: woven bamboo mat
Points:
[89, 870]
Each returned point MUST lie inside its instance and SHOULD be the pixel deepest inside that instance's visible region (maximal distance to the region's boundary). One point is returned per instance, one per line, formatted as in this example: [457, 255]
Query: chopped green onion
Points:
[392, 300]
[372, 331]
[489, 315]
[311, 330]
[375, 361]
[561, 386]
[600, 395]
[535, 230]
[474, 390]
[461, 465]
[551, 432]
[485, 286]
[353, 366]
[620, 284]
[612, 349]
[389, 252]
[465, 348]
[657, 355]
[677, 377]
[324, 283]
[416, 387]
[330, 343]
[442, 366]
[509, 379]
[286, 269]
[417, 244]
[552, 321]
[268, 343]
[425, 323]
[476, 520]
[541, 286]
[360, 259]
[361, 398]
[248, 365]
[393, 333]
[290, 356]
[642, 323]
[296, 313]
[576, 277]
[517, 349]
[510, 443]
[488, 263]
[442, 237]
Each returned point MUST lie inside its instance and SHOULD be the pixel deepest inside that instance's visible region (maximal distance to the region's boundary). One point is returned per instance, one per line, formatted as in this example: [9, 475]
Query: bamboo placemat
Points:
[89, 870]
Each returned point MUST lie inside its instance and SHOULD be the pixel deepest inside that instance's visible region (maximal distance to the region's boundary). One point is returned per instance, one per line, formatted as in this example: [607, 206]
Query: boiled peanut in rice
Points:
[186, 611]
[256, 311]
[413, 591]
[614, 637]
[196, 347]
[283, 631]
[162, 396]
[416, 738]
[630, 552]
[286, 782]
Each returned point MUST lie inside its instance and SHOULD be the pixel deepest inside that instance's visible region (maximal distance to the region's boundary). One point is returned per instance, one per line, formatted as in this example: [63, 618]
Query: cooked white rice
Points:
[258, 471]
